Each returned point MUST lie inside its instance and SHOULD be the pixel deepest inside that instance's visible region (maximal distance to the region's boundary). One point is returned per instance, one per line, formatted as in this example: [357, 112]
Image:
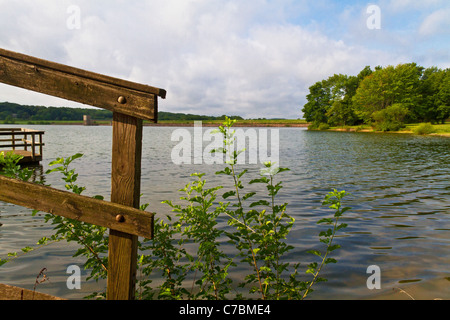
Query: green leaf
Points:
[325, 220]
[75, 156]
[248, 195]
[341, 226]
[57, 161]
[259, 203]
[260, 180]
[315, 252]
[283, 169]
[327, 233]
[228, 194]
[27, 249]
[242, 173]
[226, 171]
[333, 247]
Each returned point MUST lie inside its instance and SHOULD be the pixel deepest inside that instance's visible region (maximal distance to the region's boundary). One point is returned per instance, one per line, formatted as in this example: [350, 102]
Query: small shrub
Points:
[424, 128]
[391, 118]
[324, 126]
[313, 126]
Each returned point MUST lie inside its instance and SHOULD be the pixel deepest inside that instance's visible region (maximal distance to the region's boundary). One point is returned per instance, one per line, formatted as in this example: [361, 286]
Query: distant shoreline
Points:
[237, 124]
[205, 123]
[289, 123]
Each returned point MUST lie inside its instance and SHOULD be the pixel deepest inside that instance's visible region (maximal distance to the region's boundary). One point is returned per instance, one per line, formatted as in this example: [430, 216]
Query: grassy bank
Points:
[413, 128]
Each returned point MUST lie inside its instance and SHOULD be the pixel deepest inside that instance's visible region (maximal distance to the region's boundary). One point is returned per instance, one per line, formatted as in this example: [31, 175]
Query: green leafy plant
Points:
[9, 166]
[197, 226]
[187, 258]
[334, 200]
[259, 234]
[91, 238]
[186, 247]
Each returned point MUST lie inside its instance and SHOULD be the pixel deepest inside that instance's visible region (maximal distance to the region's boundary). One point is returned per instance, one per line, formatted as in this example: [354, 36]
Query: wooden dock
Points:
[25, 142]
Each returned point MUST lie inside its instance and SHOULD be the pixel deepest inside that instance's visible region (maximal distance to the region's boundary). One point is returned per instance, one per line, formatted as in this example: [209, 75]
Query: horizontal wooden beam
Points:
[20, 145]
[78, 85]
[70, 205]
[21, 133]
[16, 293]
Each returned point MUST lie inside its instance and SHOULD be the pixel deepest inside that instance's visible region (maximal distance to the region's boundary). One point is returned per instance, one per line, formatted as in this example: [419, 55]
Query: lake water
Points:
[399, 221]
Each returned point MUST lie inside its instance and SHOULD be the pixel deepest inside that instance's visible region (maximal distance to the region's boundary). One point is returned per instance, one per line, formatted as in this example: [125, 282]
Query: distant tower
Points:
[87, 120]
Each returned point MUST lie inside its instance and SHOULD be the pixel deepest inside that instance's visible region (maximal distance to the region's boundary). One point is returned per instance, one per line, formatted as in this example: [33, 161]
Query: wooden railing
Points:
[27, 140]
[131, 103]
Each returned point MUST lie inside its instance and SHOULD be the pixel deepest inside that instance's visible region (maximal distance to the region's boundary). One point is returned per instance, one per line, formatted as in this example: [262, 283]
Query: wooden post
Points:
[13, 137]
[33, 147]
[25, 142]
[40, 146]
[125, 190]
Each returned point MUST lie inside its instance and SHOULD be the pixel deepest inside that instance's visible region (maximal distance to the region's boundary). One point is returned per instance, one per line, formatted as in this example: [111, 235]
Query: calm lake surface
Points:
[399, 221]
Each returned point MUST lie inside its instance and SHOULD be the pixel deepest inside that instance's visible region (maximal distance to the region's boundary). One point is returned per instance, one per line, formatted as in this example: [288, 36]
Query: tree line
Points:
[386, 98]
[10, 112]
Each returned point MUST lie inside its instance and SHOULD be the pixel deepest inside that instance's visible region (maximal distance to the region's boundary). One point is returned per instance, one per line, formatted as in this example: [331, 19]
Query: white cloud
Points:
[213, 57]
[402, 5]
[436, 23]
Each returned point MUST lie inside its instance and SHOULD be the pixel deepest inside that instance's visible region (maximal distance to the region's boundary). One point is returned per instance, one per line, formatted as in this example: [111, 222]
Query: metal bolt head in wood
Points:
[120, 218]
[122, 100]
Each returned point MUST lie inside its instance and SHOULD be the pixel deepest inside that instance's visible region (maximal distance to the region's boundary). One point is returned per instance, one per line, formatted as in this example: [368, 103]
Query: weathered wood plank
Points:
[125, 189]
[16, 293]
[19, 133]
[78, 85]
[78, 207]
[20, 144]
[82, 73]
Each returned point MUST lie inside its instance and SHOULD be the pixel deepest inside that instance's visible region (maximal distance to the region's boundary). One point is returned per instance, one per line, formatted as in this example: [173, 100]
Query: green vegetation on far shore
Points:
[35, 115]
[422, 128]
[387, 98]
[13, 113]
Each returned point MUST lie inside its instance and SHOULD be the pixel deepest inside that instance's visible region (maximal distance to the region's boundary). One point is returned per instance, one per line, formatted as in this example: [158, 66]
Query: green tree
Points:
[318, 103]
[331, 100]
[428, 89]
[443, 98]
[342, 88]
[386, 86]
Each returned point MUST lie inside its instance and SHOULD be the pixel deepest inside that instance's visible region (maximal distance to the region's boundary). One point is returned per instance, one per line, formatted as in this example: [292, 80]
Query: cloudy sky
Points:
[254, 58]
